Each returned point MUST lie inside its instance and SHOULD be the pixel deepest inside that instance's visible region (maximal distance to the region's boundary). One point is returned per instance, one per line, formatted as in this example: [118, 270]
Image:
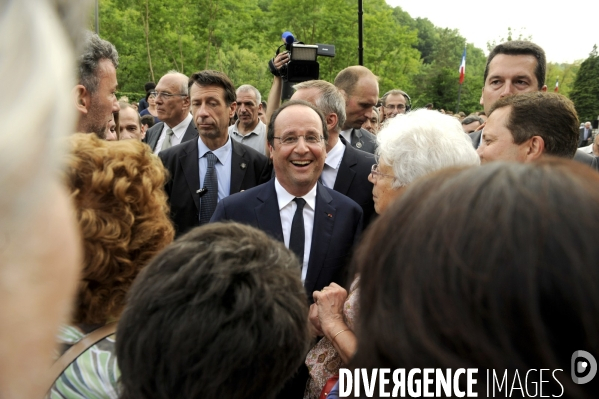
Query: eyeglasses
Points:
[310, 139]
[391, 107]
[374, 171]
[167, 96]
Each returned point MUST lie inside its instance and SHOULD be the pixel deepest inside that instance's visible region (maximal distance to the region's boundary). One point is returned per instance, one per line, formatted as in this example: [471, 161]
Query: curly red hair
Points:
[117, 189]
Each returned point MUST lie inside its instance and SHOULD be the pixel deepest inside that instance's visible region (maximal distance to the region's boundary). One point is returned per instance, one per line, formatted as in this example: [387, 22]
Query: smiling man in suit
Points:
[346, 169]
[209, 168]
[172, 106]
[320, 225]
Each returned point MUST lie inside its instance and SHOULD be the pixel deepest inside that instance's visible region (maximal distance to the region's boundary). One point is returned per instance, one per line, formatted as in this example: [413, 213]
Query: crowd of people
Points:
[207, 243]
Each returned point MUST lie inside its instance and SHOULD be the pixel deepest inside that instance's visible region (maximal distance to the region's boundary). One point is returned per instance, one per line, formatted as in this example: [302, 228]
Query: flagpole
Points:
[457, 108]
[462, 71]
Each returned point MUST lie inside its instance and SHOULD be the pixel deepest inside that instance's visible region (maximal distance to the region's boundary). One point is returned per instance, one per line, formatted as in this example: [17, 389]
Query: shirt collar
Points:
[260, 127]
[335, 156]
[180, 129]
[223, 153]
[285, 198]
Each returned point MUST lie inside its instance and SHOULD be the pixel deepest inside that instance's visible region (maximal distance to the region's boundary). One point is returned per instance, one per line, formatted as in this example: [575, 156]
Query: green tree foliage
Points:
[238, 38]
[585, 90]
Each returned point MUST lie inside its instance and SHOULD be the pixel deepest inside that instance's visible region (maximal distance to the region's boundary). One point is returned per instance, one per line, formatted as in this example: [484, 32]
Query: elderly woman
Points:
[117, 188]
[489, 268]
[409, 146]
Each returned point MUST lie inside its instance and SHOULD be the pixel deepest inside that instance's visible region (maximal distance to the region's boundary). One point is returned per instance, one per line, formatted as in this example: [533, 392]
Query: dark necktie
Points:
[210, 198]
[297, 237]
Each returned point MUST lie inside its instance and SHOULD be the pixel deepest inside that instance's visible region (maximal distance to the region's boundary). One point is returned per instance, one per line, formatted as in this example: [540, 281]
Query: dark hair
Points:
[147, 120]
[492, 267]
[95, 50]
[214, 78]
[472, 118]
[549, 115]
[519, 47]
[219, 313]
[149, 87]
[271, 125]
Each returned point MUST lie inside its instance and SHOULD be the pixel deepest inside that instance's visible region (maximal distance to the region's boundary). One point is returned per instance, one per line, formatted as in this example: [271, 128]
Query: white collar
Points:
[285, 198]
[335, 156]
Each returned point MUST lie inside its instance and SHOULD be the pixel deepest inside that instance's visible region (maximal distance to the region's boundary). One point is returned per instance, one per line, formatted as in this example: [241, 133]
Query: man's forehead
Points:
[366, 86]
[521, 64]
[298, 117]
[395, 98]
[246, 96]
[310, 95]
[129, 113]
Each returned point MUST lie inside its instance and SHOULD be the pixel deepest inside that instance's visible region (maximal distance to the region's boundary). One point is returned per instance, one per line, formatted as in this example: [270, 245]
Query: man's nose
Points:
[507, 89]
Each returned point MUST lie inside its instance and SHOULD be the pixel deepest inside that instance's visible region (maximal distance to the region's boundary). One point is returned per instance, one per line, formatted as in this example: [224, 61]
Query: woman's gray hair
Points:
[421, 142]
[37, 75]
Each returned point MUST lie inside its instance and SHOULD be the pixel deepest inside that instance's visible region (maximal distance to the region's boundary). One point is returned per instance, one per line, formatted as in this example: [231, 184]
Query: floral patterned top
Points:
[323, 361]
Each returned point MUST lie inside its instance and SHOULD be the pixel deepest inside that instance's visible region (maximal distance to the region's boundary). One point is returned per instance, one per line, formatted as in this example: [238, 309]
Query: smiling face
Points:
[359, 104]
[211, 112]
[298, 166]
[497, 141]
[508, 75]
[394, 104]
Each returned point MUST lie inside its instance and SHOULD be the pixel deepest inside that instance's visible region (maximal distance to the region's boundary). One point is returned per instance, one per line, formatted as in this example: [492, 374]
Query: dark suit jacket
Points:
[581, 141]
[352, 179]
[475, 137]
[153, 134]
[337, 225]
[363, 140]
[249, 168]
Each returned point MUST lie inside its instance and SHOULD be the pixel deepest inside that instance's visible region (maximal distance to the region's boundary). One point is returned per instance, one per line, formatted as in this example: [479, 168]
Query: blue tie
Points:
[297, 237]
[210, 198]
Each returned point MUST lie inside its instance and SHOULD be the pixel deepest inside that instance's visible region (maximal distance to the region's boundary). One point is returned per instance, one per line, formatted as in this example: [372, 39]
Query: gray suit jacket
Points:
[363, 140]
[153, 134]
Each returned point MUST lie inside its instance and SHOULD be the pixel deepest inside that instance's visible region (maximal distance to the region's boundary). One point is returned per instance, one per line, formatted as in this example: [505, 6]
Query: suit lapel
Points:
[191, 132]
[189, 161]
[153, 140]
[346, 174]
[239, 165]
[322, 233]
[267, 212]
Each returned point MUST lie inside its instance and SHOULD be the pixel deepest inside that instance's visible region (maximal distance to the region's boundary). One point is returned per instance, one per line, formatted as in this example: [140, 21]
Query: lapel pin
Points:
[329, 215]
[359, 144]
[243, 165]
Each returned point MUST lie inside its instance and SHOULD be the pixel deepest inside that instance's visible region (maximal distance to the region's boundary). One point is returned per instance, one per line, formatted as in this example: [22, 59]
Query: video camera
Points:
[302, 64]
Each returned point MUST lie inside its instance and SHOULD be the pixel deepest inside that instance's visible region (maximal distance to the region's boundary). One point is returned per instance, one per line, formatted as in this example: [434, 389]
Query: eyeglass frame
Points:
[165, 95]
[375, 173]
[320, 139]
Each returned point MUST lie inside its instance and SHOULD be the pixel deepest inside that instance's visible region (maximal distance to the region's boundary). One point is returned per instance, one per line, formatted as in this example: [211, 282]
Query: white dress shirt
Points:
[287, 207]
[331, 164]
[178, 133]
[347, 135]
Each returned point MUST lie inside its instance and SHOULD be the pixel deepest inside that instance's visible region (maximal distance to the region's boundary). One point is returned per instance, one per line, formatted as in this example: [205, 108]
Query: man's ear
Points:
[481, 96]
[232, 109]
[544, 88]
[270, 150]
[82, 98]
[331, 121]
[535, 148]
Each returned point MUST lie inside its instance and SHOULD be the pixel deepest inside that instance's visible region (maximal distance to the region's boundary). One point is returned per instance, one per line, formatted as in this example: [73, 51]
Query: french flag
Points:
[556, 85]
[463, 67]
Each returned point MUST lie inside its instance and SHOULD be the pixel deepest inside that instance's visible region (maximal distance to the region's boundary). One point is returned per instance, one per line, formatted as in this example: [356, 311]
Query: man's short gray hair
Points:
[422, 142]
[95, 50]
[184, 80]
[246, 88]
[330, 101]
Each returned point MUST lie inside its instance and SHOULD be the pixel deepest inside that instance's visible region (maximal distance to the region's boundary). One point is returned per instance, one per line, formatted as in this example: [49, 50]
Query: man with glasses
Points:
[172, 105]
[320, 225]
[205, 170]
[395, 102]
